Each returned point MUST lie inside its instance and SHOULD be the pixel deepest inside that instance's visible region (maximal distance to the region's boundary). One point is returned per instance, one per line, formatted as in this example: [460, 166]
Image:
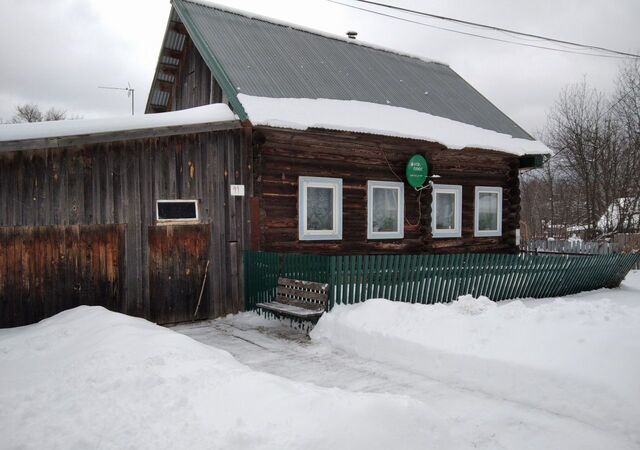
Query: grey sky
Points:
[56, 52]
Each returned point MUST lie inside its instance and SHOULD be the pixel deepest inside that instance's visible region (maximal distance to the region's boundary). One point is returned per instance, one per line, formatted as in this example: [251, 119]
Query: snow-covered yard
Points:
[473, 374]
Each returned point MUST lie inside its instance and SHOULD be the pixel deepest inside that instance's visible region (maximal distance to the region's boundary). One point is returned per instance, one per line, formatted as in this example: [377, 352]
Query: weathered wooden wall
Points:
[44, 270]
[183, 252]
[285, 155]
[119, 183]
[194, 85]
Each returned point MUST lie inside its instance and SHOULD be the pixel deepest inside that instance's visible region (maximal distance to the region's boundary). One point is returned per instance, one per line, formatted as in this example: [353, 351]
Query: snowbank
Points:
[364, 117]
[577, 357]
[203, 114]
[90, 378]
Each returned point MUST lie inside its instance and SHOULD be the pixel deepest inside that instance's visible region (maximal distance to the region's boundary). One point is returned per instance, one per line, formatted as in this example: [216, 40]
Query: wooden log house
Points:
[258, 135]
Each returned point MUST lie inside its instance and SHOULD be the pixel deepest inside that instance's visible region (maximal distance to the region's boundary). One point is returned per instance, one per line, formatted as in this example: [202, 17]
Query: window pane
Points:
[176, 210]
[445, 211]
[487, 211]
[385, 210]
[319, 209]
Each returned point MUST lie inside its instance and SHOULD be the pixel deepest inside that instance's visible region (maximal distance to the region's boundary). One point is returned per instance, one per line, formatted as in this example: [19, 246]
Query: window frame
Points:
[374, 184]
[476, 227]
[191, 219]
[447, 189]
[335, 234]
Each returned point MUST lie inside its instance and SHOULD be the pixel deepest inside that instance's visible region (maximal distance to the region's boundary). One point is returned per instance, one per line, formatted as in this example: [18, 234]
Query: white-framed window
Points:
[488, 211]
[319, 208]
[385, 210]
[177, 210]
[446, 211]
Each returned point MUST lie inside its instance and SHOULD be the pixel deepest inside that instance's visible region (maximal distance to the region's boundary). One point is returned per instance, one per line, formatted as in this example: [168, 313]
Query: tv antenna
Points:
[131, 92]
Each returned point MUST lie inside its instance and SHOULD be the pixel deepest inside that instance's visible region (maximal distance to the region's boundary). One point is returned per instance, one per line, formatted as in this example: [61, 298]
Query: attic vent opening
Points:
[352, 34]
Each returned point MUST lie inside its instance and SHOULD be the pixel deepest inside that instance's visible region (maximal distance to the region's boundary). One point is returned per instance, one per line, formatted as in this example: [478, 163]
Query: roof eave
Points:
[113, 136]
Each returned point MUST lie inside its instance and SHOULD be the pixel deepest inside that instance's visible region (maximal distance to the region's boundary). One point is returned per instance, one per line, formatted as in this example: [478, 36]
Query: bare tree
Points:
[627, 113]
[551, 204]
[582, 129]
[30, 112]
[592, 179]
[55, 114]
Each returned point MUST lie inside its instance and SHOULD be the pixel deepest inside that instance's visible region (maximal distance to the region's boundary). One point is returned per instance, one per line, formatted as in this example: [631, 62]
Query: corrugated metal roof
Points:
[169, 60]
[159, 98]
[174, 41]
[266, 59]
[168, 77]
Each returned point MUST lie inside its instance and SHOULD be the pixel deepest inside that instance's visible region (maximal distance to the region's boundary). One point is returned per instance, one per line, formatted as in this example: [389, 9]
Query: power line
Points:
[506, 30]
[612, 53]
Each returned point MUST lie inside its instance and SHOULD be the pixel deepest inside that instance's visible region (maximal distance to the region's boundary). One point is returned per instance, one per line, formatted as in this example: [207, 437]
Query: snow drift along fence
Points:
[435, 278]
[571, 247]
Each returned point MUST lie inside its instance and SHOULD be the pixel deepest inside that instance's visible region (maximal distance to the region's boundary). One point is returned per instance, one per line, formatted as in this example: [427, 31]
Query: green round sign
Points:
[417, 171]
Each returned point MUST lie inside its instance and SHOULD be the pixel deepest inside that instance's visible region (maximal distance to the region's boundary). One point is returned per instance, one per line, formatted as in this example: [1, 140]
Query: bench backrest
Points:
[306, 294]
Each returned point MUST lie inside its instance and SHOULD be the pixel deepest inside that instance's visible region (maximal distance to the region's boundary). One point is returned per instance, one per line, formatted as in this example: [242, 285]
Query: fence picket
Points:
[457, 276]
[583, 277]
[512, 276]
[503, 275]
[346, 260]
[384, 276]
[477, 272]
[423, 276]
[434, 295]
[353, 280]
[403, 270]
[469, 271]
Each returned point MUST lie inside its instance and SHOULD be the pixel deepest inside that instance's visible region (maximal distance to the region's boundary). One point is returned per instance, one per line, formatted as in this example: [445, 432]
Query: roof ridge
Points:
[298, 27]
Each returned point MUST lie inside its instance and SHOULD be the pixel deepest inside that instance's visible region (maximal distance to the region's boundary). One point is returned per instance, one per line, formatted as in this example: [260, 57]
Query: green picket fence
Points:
[435, 278]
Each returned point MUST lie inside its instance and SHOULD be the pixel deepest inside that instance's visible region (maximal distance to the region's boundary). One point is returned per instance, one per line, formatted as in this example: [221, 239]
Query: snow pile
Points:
[90, 378]
[215, 113]
[578, 358]
[364, 117]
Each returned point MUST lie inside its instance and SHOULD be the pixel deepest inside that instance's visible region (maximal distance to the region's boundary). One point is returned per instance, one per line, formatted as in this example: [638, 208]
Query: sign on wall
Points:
[237, 190]
[417, 171]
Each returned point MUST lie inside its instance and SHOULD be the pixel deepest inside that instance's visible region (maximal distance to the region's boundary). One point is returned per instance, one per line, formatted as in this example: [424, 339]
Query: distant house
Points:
[299, 142]
[621, 216]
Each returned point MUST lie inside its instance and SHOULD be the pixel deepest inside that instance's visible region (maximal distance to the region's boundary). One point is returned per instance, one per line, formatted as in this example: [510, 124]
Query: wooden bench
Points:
[298, 299]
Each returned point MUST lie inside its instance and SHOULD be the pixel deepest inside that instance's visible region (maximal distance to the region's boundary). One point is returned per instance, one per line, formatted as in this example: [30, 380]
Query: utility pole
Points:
[131, 92]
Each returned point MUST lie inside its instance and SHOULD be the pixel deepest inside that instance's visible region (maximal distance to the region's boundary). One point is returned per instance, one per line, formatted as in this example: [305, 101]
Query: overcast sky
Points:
[57, 52]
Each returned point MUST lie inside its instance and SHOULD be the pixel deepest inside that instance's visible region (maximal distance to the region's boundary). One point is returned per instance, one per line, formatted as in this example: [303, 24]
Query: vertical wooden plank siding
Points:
[45, 270]
[118, 184]
[178, 257]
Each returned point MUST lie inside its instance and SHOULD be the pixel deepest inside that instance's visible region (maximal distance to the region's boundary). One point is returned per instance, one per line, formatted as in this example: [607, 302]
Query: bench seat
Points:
[298, 299]
[299, 312]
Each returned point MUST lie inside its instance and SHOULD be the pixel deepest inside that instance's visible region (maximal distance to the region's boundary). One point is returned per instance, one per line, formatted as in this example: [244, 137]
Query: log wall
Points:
[281, 156]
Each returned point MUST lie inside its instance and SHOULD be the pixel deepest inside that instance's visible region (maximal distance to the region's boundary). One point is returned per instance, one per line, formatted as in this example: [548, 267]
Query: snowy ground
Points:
[88, 378]
[546, 373]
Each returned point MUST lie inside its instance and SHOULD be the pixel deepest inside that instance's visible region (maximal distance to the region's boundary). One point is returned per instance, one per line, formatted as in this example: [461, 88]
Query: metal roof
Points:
[255, 56]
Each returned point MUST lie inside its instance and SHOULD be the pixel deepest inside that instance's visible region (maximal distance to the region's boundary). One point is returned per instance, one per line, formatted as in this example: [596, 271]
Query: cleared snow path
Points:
[481, 420]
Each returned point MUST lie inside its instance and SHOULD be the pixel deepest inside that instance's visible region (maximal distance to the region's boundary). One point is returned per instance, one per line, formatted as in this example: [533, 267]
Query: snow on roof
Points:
[371, 118]
[262, 58]
[40, 130]
[295, 26]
